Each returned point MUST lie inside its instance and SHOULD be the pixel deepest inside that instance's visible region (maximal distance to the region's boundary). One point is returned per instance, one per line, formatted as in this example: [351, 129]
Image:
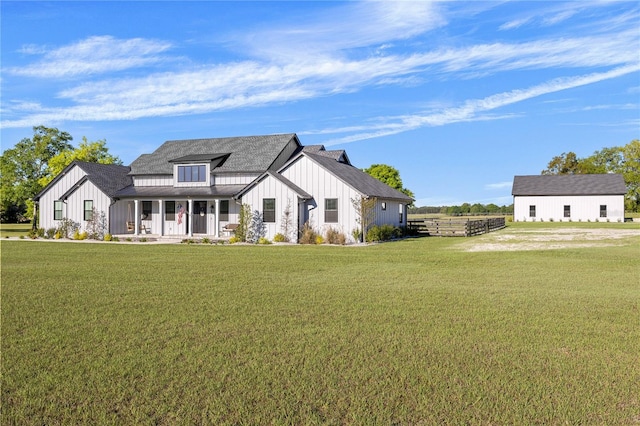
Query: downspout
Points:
[36, 210]
[113, 201]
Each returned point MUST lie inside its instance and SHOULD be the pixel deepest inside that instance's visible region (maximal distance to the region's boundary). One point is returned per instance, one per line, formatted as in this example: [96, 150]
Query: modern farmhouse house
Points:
[581, 197]
[196, 187]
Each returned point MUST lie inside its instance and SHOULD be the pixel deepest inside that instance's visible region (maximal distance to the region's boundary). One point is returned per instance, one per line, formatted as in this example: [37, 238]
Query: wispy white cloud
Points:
[516, 23]
[474, 109]
[307, 60]
[499, 185]
[94, 55]
[348, 26]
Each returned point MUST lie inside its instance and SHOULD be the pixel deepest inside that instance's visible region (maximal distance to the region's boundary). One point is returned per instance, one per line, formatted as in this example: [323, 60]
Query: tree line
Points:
[624, 160]
[464, 209]
[33, 162]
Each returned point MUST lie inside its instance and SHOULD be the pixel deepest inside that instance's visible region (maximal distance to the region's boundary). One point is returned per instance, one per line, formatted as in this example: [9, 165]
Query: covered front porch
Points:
[179, 218]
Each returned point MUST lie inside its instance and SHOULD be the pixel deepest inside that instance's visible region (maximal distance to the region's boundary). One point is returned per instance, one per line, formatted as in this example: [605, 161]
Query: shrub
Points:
[67, 227]
[319, 239]
[381, 233]
[108, 237]
[206, 240]
[279, 238]
[234, 240]
[77, 235]
[263, 240]
[308, 235]
[333, 236]
[33, 234]
[356, 234]
[50, 233]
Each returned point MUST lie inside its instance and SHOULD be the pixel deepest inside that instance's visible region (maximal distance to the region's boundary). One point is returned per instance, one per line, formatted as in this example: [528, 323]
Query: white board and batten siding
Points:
[73, 207]
[269, 187]
[582, 208]
[150, 180]
[233, 178]
[316, 180]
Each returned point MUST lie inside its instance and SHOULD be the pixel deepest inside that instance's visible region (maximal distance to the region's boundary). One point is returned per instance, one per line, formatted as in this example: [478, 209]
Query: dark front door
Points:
[199, 217]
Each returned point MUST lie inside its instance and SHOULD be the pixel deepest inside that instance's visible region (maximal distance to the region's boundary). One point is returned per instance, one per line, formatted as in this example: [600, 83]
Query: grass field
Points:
[411, 332]
[13, 230]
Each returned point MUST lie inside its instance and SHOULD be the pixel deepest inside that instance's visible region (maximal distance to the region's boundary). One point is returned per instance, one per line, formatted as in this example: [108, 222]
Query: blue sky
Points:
[458, 96]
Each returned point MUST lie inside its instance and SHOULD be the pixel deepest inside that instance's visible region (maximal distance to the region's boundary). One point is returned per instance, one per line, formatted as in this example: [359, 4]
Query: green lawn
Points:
[409, 332]
[14, 230]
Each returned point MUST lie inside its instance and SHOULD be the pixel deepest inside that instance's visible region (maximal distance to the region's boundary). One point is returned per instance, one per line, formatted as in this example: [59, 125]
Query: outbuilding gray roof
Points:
[358, 180]
[581, 184]
[246, 153]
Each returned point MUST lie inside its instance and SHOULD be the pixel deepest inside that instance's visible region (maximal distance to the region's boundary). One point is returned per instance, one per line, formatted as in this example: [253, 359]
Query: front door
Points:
[199, 217]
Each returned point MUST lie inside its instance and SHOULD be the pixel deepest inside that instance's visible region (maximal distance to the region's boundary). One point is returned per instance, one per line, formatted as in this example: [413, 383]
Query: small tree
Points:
[256, 228]
[365, 213]
[286, 223]
[244, 221]
[97, 225]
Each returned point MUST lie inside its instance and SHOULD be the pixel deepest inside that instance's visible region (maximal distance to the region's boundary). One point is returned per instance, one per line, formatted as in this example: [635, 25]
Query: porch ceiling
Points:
[171, 192]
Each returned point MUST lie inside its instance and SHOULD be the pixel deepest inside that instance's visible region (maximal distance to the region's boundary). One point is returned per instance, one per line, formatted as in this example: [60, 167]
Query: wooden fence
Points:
[456, 227]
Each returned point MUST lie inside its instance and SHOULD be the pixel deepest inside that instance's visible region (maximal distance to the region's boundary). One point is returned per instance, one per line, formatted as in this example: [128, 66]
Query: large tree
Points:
[388, 175]
[618, 159]
[90, 152]
[23, 166]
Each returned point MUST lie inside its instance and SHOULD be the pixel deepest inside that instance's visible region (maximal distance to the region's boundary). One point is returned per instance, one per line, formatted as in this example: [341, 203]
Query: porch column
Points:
[217, 219]
[190, 213]
[136, 217]
[161, 215]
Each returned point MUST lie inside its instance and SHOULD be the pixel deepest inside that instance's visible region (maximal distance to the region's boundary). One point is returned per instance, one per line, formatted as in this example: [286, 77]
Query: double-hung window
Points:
[603, 210]
[88, 209]
[224, 210]
[269, 210]
[532, 211]
[567, 211]
[169, 210]
[331, 210]
[146, 210]
[57, 210]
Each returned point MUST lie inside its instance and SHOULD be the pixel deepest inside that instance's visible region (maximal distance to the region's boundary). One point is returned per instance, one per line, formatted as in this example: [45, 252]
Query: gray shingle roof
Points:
[247, 153]
[170, 191]
[338, 154]
[601, 184]
[109, 178]
[358, 180]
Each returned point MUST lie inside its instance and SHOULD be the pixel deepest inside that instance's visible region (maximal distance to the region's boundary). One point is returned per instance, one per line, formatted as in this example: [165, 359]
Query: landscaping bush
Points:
[381, 233]
[50, 233]
[333, 236]
[263, 240]
[308, 236]
[279, 238]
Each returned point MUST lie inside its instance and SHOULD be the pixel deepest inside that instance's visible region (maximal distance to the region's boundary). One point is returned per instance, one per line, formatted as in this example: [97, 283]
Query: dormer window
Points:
[192, 173]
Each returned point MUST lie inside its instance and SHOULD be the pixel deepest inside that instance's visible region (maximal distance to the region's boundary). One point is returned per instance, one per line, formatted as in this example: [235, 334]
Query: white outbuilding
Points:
[569, 198]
